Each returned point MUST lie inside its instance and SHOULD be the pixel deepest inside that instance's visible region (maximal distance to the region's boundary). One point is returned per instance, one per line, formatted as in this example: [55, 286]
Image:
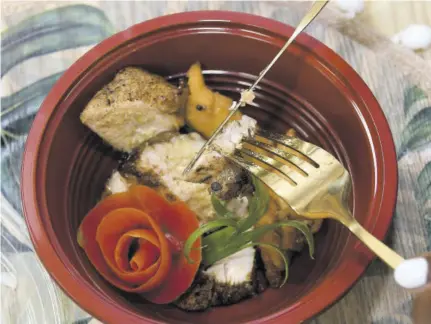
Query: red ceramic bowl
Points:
[311, 89]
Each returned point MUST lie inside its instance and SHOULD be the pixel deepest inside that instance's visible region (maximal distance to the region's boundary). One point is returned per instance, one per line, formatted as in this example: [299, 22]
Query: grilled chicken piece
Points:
[168, 160]
[134, 107]
[227, 282]
[231, 182]
[160, 166]
[199, 296]
[234, 269]
[195, 195]
[233, 277]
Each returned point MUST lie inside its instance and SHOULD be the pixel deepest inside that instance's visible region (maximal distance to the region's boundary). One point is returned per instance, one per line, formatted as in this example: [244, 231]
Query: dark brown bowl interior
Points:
[319, 97]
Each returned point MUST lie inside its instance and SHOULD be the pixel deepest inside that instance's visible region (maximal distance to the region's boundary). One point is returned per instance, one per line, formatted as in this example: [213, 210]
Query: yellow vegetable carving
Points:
[206, 109]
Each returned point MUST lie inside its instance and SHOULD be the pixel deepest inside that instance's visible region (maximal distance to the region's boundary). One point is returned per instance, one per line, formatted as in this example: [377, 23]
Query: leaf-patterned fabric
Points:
[42, 39]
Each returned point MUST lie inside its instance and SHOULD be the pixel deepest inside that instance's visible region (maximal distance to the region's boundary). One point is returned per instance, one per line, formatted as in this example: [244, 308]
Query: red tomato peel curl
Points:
[142, 223]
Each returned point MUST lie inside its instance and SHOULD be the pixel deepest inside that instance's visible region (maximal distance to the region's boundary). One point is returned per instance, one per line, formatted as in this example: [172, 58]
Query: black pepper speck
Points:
[216, 186]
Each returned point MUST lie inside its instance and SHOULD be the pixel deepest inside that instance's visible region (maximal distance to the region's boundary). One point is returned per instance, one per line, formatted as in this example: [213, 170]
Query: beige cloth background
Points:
[399, 78]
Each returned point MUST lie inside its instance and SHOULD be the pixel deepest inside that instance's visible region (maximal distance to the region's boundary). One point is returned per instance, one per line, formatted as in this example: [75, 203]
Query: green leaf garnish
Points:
[219, 207]
[218, 251]
[228, 235]
[258, 232]
[222, 235]
[258, 205]
[221, 247]
[227, 222]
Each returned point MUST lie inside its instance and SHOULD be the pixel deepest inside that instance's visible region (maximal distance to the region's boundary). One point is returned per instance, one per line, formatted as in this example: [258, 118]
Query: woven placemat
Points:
[32, 61]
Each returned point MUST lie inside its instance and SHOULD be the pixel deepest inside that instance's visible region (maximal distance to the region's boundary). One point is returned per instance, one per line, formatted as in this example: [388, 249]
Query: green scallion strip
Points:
[188, 245]
[220, 208]
[229, 236]
[257, 207]
[255, 234]
[221, 236]
[212, 255]
[219, 249]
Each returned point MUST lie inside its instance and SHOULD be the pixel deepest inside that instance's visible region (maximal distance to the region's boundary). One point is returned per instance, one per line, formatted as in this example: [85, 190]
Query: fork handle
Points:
[385, 253]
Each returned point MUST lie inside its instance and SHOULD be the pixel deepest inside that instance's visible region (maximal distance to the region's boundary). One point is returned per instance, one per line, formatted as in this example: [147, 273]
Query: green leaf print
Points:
[51, 31]
[423, 195]
[423, 192]
[28, 97]
[413, 95]
[417, 133]
[427, 217]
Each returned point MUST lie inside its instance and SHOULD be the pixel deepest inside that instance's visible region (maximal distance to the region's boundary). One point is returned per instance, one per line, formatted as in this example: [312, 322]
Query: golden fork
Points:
[313, 182]
[315, 9]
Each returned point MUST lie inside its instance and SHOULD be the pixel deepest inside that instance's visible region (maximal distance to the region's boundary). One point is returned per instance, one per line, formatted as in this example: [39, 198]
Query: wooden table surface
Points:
[390, 17]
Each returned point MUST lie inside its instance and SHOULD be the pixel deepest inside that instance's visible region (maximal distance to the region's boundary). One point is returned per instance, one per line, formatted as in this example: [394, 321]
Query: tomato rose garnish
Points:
[135, 241]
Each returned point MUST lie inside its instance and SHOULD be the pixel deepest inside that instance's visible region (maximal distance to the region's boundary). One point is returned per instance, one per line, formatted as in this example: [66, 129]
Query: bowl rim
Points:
[98, 304]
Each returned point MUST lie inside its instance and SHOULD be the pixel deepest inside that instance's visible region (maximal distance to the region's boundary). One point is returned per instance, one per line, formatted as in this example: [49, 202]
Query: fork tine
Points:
[251, 167]
[271, 179]
[270, 164]
[295, 146]
[292, 160]
[305, 150]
